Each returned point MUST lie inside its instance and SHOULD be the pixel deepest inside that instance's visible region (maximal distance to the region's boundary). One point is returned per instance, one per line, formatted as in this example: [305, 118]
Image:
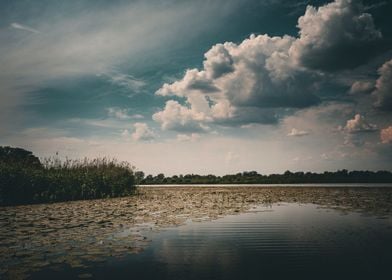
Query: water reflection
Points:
[279, 242]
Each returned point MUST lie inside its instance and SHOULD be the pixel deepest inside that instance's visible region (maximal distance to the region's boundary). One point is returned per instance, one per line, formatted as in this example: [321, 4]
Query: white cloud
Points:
[23, 27]
[142, 132]
[181, 118]
[118, 113]
[237, 83]
[122, 114]
[273, 72]
[383, 91]
[298, 133]
[359, 124]
[386, 135]
[194, 81]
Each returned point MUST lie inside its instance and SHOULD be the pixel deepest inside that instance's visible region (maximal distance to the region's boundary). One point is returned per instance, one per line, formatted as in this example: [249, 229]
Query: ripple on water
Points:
[94, 237]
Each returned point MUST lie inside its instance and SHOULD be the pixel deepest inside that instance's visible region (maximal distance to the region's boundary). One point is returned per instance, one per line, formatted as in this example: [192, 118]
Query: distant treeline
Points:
[252, 177]
[24, 179]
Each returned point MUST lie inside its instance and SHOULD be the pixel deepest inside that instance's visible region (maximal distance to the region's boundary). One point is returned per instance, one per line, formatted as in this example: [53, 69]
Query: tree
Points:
[9, 155]
[139, 176]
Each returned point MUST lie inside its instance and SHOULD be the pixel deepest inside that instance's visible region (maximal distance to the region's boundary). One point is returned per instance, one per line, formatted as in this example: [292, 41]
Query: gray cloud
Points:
[218, 61]
[276, 72]
[383, 91]
[359, 87]
[240, 83]
[336, 36]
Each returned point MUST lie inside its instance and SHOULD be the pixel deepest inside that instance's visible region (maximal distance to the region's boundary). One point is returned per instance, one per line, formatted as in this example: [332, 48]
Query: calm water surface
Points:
[285, 241]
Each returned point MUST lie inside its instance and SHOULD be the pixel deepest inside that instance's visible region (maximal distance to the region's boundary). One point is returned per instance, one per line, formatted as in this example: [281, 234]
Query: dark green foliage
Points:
[252, 177]
[139, 176]
[25, 181]
[18, 156]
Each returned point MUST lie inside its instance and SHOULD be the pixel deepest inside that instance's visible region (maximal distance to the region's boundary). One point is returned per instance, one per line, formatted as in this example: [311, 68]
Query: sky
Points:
[206, 87]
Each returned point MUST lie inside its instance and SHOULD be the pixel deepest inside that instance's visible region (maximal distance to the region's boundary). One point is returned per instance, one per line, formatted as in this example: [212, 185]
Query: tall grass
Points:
[62, 180]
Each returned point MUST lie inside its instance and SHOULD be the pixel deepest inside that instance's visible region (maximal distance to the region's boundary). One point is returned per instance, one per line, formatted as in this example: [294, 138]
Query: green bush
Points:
[23, 182]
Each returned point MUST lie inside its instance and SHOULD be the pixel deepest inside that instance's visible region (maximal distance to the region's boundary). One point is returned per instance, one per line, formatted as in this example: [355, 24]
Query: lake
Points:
[204, 233]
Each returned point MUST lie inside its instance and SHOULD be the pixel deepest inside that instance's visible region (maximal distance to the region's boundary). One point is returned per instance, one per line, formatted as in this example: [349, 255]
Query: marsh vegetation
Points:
[25, 179]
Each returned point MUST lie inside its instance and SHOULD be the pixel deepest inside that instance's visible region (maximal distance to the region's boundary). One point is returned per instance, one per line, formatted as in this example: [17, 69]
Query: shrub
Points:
[25, 181]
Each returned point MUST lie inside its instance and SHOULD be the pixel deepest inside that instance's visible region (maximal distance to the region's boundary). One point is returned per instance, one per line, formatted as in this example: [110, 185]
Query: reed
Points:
[55, 180]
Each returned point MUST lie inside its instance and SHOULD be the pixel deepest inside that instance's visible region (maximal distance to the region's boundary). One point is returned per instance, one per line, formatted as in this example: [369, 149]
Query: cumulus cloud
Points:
[383, 91]
[359, 124]
[297, 132]
[257, 72]
[386, 135]
[181, 118]
[193, 81]
[142, 132]
[263, 72]
[218, 61]
[339, 35]
[236, 81]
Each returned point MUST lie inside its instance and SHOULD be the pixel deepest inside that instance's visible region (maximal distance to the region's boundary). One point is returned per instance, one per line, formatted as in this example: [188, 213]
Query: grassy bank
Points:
[24, 179]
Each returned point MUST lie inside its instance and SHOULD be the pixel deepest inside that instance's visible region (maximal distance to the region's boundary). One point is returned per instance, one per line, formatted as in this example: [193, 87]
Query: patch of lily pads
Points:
[78, 233]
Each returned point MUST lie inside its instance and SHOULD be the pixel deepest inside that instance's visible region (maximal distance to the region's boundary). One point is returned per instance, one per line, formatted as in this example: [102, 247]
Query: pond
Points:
[281, 241]
[204, 234]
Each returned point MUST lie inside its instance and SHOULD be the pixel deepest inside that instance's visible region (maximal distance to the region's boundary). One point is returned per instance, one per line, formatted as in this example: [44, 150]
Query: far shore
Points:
[300, 185]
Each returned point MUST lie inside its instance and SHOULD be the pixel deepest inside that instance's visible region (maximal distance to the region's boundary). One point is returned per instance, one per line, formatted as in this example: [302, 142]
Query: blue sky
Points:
[200, 86]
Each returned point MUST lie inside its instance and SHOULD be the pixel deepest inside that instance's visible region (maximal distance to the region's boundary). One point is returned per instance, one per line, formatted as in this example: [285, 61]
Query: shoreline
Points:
[299, 185]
